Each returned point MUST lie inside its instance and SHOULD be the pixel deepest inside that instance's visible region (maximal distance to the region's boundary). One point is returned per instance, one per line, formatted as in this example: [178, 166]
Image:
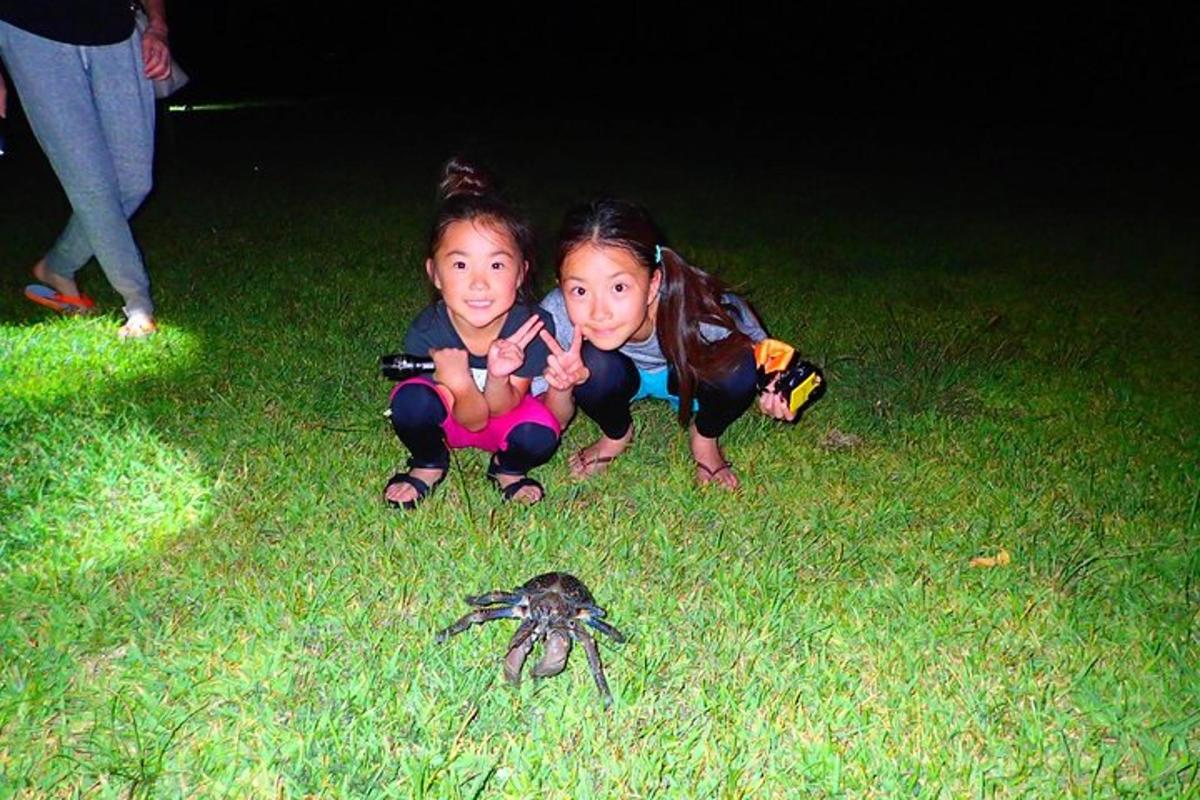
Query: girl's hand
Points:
[505, 356]
[453, 369]
[564, 368]
[774, 405]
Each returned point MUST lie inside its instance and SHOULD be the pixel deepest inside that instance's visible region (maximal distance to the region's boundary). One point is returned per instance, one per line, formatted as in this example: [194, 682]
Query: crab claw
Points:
[554, 658]
[518, 651]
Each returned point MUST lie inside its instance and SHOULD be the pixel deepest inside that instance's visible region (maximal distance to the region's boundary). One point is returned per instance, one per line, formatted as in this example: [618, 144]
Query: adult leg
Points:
[125, 99]
[92, 112]
[126, 107]
[417, 413]
[605, 397]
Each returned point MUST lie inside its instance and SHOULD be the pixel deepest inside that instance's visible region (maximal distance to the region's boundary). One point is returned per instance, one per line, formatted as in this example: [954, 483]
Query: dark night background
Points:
[1073, 94]
[1098, 64]
[1095, 86]
[1051, 62]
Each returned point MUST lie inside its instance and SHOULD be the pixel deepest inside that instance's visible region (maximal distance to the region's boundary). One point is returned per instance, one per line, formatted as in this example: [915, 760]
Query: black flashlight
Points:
[402, 366]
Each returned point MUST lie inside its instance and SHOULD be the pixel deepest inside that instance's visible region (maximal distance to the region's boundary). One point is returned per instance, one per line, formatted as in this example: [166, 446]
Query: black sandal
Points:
[508, 492]
[423, 489]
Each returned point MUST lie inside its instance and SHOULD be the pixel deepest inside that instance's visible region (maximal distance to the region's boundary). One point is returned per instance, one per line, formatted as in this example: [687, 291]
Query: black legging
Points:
[417, 417]
[606, 395]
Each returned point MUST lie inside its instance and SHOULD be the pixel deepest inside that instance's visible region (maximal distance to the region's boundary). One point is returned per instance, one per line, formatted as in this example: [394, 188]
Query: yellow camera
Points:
[801, 383]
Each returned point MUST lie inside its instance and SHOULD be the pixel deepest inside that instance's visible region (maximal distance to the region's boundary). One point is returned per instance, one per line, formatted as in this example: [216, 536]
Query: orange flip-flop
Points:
[63, 303]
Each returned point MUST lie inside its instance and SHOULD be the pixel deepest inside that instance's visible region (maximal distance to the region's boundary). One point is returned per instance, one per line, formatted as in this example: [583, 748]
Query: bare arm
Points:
[561, 405]
[469, 407]
[504, 394]
[504, 389]
[156, 14]
[564, 371]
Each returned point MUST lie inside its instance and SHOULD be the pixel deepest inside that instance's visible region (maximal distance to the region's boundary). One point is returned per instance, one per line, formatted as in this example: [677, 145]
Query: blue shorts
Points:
[653, 384]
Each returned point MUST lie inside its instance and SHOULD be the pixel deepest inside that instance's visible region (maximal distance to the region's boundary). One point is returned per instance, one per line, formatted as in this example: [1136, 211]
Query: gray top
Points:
[648, 355]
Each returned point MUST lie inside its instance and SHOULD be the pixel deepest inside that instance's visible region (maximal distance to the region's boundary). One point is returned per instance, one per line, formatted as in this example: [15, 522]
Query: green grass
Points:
[201, 594]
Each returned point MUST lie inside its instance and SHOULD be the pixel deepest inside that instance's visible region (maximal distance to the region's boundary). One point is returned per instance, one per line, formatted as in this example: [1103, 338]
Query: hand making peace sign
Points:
[564, 368]
[505, 356]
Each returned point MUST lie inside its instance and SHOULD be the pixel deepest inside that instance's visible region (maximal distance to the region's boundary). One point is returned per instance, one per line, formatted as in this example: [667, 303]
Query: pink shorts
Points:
[494, 437]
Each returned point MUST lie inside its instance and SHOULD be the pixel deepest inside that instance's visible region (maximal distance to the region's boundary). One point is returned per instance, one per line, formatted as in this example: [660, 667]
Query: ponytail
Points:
[689, 297]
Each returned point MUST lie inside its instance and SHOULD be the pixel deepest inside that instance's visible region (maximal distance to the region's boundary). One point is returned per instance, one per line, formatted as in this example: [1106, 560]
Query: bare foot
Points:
[596, 457]
[137, 326]
[56, 282]
[404, 493]
[526, 494]
[711, 466]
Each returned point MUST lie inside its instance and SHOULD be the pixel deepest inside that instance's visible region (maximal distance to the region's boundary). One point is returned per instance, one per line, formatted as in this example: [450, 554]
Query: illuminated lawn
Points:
[201, 594]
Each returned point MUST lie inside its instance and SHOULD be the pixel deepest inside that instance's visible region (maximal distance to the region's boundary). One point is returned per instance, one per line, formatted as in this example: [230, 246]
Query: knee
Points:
[739, 383]
[611, 373]
[725, 399]
[742, 380]
[133, 196]
[531, 443]
[417, 404]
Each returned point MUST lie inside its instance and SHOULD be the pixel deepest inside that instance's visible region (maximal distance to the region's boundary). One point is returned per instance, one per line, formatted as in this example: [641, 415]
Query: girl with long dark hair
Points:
[634, 319]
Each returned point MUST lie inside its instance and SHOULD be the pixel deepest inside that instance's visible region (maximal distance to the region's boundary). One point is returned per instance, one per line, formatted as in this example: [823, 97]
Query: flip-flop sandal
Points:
[713, 473]
[423, 489]
[587, 464]
[63, 303]
[510, 491]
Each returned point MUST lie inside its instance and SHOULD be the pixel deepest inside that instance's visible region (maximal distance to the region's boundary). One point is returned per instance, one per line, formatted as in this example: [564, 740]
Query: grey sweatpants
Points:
[92, 111]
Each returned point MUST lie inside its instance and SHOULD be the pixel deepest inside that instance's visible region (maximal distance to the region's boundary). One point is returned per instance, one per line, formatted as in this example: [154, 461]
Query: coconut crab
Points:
[553, 607]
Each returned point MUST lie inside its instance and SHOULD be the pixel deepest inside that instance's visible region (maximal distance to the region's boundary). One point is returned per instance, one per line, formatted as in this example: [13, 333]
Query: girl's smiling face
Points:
[478, 269]
[609, 294]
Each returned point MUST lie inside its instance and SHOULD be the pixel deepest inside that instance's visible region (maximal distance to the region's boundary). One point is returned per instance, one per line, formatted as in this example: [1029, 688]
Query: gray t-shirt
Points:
[648, 355]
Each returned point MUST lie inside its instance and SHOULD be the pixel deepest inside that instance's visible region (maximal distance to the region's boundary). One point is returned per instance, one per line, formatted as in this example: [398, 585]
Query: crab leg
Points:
[491, 598]
[476, 618]
[606, 629]
[558, 647]
[594, 610]
[518, 650]
[593, 657]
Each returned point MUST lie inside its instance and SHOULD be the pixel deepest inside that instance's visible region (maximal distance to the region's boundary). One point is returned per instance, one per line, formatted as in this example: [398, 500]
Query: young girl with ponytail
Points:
[633, 319]
[482, 335]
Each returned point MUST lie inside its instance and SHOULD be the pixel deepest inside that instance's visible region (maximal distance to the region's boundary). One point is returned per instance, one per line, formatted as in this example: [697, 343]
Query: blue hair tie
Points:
[658, 254]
